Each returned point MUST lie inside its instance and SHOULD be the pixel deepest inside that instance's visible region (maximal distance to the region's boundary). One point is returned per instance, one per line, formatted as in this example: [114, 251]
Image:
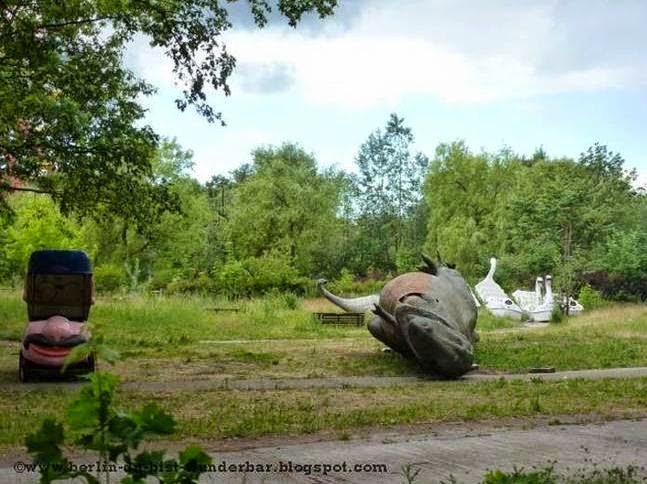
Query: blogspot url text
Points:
[222, 467]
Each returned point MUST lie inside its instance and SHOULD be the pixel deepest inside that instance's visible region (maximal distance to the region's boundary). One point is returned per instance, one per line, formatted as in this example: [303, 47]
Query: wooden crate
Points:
[352, 319]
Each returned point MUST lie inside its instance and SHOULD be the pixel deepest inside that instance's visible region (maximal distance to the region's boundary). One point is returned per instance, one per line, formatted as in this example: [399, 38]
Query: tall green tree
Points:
[70, 123]
[562, 212]
[465, 193]
[389, 182]
[286, 206]
[38, 224]
[177, 245]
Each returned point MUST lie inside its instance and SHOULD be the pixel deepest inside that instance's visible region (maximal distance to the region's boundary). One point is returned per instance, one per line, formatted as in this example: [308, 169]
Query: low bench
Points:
[353, 319]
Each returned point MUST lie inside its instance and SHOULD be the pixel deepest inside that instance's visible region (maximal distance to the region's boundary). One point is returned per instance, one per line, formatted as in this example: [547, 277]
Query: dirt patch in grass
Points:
[276, 359]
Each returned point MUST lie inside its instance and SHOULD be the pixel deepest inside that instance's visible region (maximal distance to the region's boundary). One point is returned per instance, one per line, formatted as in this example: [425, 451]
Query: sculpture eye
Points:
[508, 302]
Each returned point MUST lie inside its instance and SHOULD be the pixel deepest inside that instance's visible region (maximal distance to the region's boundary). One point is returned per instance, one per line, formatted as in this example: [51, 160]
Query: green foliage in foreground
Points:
[114, 434]
[99, 426]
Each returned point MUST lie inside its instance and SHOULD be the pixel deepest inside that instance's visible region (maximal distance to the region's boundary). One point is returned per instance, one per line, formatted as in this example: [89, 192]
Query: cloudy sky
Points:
[495, 73]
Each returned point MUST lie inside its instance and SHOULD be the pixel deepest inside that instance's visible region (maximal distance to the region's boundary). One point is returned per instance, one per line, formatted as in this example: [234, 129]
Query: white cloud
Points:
[227, 151]
[466, 53]
[265, 78]
[377, 52]
[458, 51]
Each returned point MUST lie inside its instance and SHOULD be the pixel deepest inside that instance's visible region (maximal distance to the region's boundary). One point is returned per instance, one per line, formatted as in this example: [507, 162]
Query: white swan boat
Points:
[529, 299]
[538, 307]
[494, 297]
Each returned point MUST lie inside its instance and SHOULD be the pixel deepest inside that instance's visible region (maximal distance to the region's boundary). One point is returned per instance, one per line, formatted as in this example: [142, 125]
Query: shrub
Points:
[344, 283]
[347, 285]
[291, 300]
[100, 426]
[272, 306]
[271, 272]
[407, 260]
[196, 283]
[260, 275]
[557, 316]
[548, 475]
[162, 278]
[590, 298]
[137, 280]
[521, 476]
[232, 278]
[616, 287]
[109, 278]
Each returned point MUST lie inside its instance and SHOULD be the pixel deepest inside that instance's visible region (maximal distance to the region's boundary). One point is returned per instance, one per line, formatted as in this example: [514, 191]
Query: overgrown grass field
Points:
[170, 320]
[183, 339]
[167, 338]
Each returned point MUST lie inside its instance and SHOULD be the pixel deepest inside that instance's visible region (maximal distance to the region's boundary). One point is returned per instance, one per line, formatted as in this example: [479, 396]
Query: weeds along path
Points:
[339, 382]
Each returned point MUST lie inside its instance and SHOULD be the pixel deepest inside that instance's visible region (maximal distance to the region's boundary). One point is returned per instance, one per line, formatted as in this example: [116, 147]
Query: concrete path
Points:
[336, 382]
[465, 456]
[463, 452]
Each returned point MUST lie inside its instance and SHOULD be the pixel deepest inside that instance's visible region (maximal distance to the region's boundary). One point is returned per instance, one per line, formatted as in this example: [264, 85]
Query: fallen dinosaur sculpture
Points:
[428, 315]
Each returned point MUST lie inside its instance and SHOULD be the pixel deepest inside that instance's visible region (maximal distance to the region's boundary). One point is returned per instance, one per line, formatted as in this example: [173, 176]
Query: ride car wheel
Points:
[24, 373]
